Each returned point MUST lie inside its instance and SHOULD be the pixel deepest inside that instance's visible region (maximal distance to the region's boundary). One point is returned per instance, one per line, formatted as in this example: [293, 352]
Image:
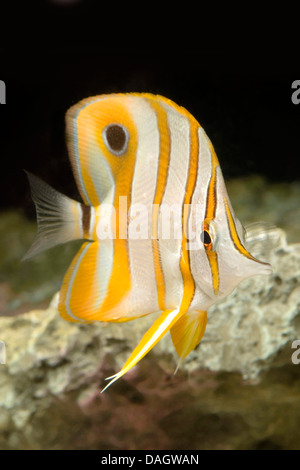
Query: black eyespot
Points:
[205, 237]
[116, 138]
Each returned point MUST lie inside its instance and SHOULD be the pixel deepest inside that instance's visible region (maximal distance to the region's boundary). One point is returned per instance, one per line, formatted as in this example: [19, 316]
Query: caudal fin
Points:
[59, 218]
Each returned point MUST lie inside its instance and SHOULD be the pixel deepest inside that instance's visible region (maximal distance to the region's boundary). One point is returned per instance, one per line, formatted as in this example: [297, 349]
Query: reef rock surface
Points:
[238, 390]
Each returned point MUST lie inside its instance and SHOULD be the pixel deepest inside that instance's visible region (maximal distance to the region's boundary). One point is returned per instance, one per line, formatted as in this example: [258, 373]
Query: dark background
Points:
[55, 58]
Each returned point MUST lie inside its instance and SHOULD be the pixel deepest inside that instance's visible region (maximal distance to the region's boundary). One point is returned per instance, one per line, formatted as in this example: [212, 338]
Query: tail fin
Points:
[187, 333]
[59, 218]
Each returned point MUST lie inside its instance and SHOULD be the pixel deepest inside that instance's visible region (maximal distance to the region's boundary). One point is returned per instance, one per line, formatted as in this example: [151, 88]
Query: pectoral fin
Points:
[150, 338]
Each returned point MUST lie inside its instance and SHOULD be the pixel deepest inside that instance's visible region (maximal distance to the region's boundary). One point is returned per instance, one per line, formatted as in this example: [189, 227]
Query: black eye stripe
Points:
[116, 138]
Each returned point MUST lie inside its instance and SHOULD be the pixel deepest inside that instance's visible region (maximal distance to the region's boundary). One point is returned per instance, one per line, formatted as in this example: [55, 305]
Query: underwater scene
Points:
[198, 331]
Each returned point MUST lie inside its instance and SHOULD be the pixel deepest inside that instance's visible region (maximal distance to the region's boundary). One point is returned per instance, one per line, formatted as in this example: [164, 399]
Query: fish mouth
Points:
[262, 267]
[265, 268]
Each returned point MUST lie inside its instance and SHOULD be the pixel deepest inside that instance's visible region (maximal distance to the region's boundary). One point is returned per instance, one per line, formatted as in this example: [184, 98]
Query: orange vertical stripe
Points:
[65, 286]
[123, 170]
[211, 206]
[188, 280]
[162, 174]
[234, 235]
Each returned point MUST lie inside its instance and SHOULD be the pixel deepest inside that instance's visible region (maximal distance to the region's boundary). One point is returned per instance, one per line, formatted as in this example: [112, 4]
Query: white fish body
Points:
[161, 233]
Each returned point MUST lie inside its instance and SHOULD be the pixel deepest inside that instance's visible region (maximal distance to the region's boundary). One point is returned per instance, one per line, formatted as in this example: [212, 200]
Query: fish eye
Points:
[208, 235]
[206, 238]
[116, 138]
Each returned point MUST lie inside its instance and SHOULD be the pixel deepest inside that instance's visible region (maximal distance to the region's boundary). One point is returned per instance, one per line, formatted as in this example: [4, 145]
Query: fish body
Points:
[159, 231]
